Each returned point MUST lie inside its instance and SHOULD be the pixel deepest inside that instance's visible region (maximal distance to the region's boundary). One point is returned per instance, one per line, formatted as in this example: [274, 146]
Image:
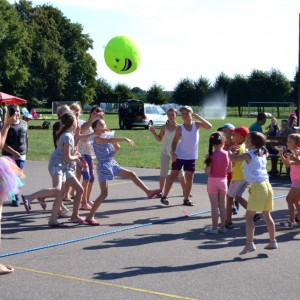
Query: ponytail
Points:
[67, 121]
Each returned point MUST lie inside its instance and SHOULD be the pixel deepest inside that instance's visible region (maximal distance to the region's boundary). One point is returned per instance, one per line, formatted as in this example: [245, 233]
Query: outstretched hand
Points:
[130, 143]
[152, 129]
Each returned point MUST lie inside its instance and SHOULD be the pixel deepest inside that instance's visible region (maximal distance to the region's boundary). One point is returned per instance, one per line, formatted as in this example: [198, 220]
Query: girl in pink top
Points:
[217, 165]
[292, 161]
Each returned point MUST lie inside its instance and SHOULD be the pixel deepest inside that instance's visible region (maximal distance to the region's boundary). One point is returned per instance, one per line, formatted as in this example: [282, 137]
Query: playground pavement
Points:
[144, 250]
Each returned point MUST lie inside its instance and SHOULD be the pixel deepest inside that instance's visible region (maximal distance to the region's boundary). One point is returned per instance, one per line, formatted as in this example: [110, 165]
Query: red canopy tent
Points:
[9, 99]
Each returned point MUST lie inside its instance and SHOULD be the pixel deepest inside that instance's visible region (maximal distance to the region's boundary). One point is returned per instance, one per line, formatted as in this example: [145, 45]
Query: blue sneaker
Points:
[234, 211]
[237, 205]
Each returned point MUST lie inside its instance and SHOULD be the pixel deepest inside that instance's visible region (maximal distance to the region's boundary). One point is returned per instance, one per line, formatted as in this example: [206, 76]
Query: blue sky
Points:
[191, 38]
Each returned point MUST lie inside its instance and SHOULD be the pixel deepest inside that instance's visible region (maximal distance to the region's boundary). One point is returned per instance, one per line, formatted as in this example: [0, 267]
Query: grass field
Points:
[146, 154]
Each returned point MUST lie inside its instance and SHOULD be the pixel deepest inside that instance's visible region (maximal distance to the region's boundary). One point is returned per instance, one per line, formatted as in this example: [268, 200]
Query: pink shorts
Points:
[217, 185]
[295, 184]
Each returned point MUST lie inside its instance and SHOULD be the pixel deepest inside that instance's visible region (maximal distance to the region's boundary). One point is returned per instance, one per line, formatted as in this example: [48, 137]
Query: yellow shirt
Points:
[237, 167]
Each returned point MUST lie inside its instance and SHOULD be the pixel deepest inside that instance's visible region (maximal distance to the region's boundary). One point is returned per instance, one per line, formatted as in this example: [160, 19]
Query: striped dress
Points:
[107, 167]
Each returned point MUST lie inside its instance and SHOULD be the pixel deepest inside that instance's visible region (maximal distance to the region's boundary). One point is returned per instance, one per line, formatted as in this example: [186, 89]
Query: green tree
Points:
[14, 50]
[185, 92]
[60, 67]
[202, 86]
[156, 95]
[122, 92]
[280, 87]
[104, 92]
[238, 94]
[139, 93]
[222, 82]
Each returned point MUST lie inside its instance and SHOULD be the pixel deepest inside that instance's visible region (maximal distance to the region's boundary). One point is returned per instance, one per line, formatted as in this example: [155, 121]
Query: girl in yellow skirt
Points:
[261, 193]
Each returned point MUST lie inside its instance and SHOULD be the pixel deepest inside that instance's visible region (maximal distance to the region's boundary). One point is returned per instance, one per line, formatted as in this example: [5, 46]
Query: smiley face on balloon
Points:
[122, 55]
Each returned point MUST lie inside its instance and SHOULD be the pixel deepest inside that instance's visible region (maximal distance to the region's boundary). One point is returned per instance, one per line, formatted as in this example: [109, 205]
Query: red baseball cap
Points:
[242, 130]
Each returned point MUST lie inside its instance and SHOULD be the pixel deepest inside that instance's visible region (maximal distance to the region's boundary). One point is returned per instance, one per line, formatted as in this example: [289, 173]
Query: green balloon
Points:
[122, 55]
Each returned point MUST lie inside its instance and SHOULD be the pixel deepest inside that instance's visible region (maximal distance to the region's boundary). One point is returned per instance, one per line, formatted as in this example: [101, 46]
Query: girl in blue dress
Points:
[105, 146]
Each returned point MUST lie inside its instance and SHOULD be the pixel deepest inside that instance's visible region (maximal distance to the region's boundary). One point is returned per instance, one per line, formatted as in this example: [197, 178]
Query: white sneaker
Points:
[222, 230]
[210, 230]
[250, 247]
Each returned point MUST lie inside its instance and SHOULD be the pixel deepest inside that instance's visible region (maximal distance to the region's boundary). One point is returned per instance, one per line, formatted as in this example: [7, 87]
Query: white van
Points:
[135, 113]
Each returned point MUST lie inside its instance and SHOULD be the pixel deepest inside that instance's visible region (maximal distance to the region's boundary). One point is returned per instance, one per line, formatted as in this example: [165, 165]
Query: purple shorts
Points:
[187, 164]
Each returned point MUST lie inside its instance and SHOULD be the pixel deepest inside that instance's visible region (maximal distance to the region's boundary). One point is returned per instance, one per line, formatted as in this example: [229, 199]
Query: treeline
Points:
[44, 58]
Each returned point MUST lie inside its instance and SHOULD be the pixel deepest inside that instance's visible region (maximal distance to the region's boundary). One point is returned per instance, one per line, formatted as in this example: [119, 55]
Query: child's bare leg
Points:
[162, 182]
[136, 180]
[73, 181]
[89, 191]
[103, 195]
[170, 181]
[249, 233]
[214, 210]
[182, 182]
[290, 199]
[84, 195]
[242, 201]
[229, 206]
[189, 178]
[41, 194]
[222, 208]
[4, 269]
[270, 224]
[250, 226]
[59, 186]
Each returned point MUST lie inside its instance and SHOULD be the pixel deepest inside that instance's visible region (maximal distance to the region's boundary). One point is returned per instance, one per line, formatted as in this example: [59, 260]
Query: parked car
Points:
[136, 113]
[254, 114]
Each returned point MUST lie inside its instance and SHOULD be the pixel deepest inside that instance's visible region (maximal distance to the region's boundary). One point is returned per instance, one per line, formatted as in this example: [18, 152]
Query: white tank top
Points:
[256, 170]
[187, 147]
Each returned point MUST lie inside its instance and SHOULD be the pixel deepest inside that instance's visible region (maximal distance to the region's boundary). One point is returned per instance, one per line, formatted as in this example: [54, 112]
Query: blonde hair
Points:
[75, 107]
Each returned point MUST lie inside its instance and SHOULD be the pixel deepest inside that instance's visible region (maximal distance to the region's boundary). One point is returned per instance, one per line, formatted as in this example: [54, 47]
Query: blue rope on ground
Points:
[109, 232]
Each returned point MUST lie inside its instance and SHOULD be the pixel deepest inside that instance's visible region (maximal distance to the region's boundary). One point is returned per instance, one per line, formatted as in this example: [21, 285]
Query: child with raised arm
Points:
[166, 136]
[184, 152]
[107, 168]
[8, 182]
[61, 167]
[260, 192]
[238, 183]
[217, 164]
[293, 162]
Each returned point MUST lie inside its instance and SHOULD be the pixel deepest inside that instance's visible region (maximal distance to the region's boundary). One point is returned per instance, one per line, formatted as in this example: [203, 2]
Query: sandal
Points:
[187, 202]
[79, 220]
[153, 193]
[91, 222]
[164, 200]
[26, 204]
[85, 207]
[288, 224]
[42, 203]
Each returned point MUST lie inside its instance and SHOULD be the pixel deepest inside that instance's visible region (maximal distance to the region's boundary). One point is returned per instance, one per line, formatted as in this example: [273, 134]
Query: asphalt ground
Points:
[144, 250]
